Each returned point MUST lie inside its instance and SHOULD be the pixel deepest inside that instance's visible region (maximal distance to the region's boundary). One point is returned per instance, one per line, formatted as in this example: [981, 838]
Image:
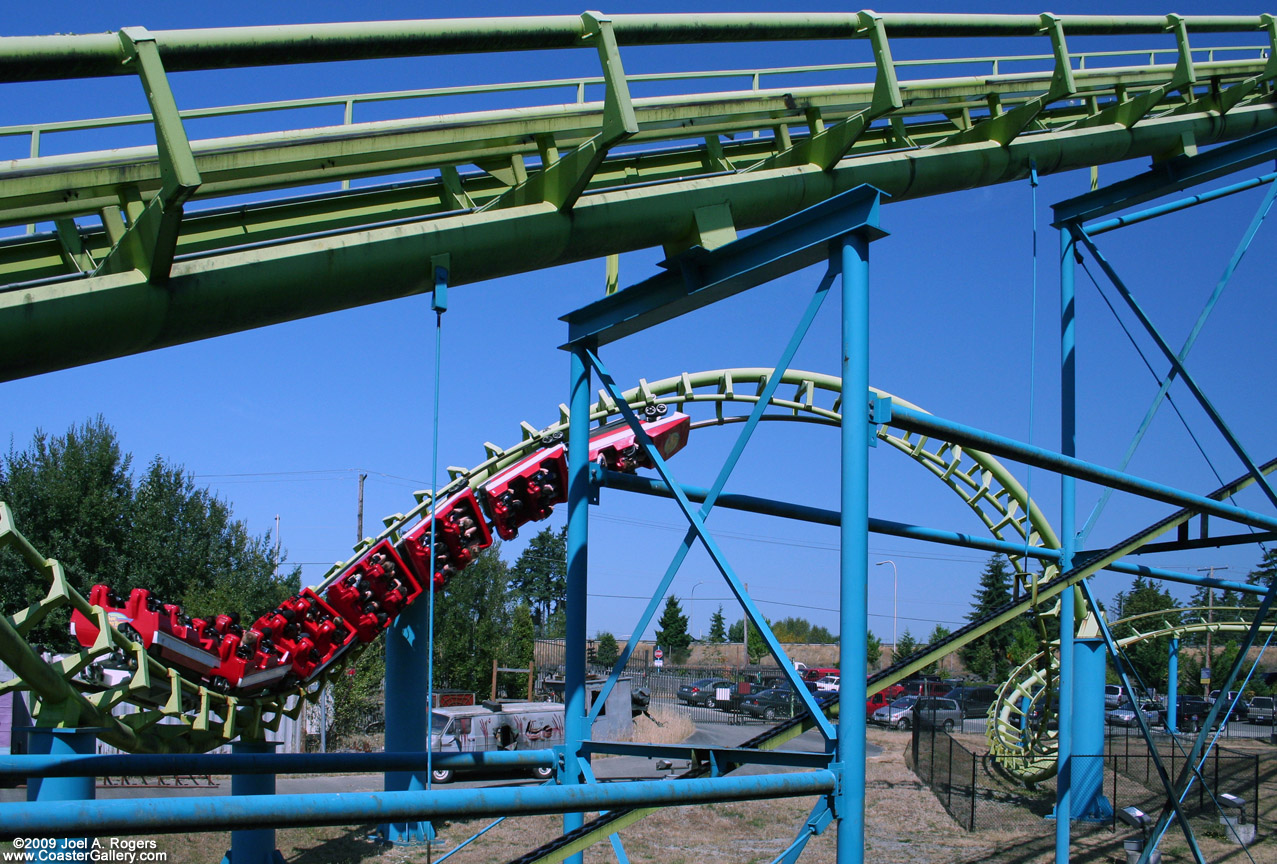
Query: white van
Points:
[496, 726]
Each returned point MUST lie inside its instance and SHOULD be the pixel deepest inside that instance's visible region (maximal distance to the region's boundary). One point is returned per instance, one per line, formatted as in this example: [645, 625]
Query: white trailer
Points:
[496, 726]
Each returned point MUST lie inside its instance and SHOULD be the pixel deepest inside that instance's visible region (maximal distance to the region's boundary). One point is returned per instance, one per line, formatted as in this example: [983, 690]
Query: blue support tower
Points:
[1089, 803]
[407, 710]
[257, 845]
[1172, 687]
[56, 742]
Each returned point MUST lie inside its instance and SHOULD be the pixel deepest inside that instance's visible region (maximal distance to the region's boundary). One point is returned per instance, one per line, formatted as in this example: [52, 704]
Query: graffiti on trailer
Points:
[503, 731]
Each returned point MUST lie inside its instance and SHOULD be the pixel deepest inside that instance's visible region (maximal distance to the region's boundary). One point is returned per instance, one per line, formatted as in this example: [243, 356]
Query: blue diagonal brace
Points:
[618, 848]
[755, 416]
[816, 823]
[1242, 246]
[1080, 235]
[715, 553]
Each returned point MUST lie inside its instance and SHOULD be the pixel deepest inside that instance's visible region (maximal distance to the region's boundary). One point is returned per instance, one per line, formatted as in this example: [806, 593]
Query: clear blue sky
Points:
[281, 420]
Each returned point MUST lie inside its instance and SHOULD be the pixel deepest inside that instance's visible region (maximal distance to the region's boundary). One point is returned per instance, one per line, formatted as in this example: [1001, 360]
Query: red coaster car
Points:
[615, 447]
[527, 490]
[371, 593]
[161, 628]
[462, 534]
[310, 632]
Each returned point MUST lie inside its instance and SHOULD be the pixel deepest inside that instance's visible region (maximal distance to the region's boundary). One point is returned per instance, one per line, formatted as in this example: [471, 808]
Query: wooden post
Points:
[531, 673]
[494, 679]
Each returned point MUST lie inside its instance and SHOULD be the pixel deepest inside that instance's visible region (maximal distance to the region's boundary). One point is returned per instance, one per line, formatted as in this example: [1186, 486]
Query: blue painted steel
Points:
[410, 642]
[1172, 687]
[171, 815]
[575, 727]
[853, 562]
[275, 763]
[256, 845]
[1089, 803]
[699, 278]
[752, 504]
[58, 743]
[929, 424]
[711, 496]
[1171, 175]
[618, 847]
[716, 554]
[1178, 360]
[1097, 228]
[1068, 544]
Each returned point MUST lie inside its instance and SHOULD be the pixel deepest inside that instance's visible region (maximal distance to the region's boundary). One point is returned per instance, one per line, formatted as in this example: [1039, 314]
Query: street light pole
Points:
[691, 606]
[895, 594]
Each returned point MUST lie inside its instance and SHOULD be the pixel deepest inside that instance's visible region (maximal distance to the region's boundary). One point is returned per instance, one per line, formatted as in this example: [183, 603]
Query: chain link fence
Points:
[980, 797]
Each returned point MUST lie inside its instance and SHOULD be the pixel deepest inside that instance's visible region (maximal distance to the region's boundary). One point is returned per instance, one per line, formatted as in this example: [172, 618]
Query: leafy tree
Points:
[757, 647]
[906, 647]
[873, 649]
[671, 631]
[540, 576]
[1149, 657]
[76, 501]
[938, 634]
[474, 624]
[801, 630]
[608, 652]
[717, 627]
[358, 694]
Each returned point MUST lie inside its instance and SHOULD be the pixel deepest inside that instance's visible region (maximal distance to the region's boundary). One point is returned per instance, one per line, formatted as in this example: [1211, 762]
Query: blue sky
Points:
[281, 420]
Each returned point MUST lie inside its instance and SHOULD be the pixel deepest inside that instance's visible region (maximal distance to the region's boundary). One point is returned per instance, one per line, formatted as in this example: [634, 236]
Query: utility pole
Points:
[1210, 619]
[360, 538]
[745, 619]
[277, 545]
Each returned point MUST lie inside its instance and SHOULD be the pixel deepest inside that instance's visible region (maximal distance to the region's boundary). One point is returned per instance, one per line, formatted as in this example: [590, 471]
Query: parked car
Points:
[1190, 713]
[1125, 714]
[1115, 696]
[898, 714]
[815, 673]
[876, 701]
[771, 704]
[703, 691]
[1261, 709]
[937, 711]
[827, 684]
[752, 684]
[926, 685]
[974, 700]
[1241, 711]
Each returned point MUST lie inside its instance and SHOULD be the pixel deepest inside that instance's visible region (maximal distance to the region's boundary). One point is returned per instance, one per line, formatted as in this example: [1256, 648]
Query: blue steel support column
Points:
[1172, 686]
[574, 726]
[407, 682]
[854, 537]
[1068, 541]
[255, 846]
[1089, 803]
[49, 741]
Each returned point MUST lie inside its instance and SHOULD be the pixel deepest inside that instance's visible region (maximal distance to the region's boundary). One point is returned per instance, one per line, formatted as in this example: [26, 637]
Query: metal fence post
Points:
[972, 828]
[948, 780]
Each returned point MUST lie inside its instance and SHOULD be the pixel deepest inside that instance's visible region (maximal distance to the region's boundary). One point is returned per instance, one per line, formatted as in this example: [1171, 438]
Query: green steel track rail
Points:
[156, 246]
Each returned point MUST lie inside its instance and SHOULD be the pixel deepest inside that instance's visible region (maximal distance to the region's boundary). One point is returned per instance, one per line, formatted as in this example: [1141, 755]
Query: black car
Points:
[771, 704]
[703, 691]
[974, 700]
[1191, 711]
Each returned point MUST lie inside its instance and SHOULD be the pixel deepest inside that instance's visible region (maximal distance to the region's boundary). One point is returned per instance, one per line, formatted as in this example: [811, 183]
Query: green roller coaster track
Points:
[126, 268]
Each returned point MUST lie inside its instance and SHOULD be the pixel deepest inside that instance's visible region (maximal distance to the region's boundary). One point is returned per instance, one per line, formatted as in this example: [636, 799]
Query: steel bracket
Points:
[562, 179]
[826, 145]
[1003, 128]
[150, 241]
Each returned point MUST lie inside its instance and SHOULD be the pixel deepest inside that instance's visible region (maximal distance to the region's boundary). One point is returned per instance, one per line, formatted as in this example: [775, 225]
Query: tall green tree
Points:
[990, 656]
[938, 634]
[873, 649]
[608, 652]
[671, 631]
[717, 627]
[757, 647]
[474, 625]
[906, 647]
[540, 578]
[76, 500]
[1265, 571]
[1149, 657]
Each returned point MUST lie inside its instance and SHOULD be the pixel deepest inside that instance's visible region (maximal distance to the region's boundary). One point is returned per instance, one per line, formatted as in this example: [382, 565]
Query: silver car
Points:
[937, 711]
[898, 713]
